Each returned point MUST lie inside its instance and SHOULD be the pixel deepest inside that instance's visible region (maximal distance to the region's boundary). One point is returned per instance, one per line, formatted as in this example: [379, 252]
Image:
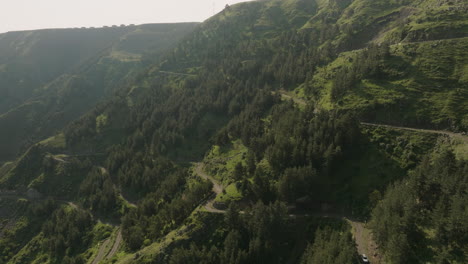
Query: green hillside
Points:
[58, 51]
[297, 131]
[82, 67]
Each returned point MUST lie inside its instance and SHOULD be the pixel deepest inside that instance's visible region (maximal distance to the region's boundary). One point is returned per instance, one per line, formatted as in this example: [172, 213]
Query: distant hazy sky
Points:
[38, 14]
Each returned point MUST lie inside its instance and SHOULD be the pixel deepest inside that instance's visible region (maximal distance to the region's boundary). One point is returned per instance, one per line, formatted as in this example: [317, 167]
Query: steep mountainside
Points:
[50, 77]
[57, 51]
[275, 132]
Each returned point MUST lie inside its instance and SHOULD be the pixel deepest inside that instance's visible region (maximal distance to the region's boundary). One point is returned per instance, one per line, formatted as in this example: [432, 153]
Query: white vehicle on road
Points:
[364, 258]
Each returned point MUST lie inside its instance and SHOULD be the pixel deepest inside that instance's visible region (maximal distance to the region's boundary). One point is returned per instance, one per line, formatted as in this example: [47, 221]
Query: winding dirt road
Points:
[365, 244]
[440, 132]
[199, 170]
[295, 99]
[105, 252]
[115, 247]
[177, 73]
[217, 188]
[101, 252]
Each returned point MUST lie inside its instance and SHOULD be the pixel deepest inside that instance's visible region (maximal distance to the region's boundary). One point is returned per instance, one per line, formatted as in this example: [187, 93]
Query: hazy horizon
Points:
[20, 15]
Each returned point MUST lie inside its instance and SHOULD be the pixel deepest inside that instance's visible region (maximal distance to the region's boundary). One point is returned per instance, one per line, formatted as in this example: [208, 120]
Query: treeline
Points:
[301, 146]
[423, 218]
[66, 235]
[331, 245]
[137, 171]
[97, 192]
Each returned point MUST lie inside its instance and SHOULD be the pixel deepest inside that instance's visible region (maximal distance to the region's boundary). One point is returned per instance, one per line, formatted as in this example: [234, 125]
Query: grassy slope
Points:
[21, 52]
[425, 85]
[220, 163]
[425, 82]
[425, 79]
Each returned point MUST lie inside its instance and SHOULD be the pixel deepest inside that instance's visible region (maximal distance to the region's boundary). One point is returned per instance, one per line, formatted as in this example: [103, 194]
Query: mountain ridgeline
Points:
[51, 77]
[295, 131]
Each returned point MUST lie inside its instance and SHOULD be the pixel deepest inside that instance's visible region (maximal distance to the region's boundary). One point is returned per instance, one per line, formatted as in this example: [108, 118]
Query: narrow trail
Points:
[14, 195]
[101, 252]
[115, 247]
[59, 159]
[295, 99]
[302, 102]
[440, 132]
[435, 41]
[177, 73]
[365, 243]
[209, 206]
[427, 41]
[72, 205]
[105, 251]
[217, 189]
[463, 137]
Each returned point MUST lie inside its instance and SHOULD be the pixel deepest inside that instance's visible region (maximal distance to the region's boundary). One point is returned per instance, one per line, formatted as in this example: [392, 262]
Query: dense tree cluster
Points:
[301, 146]
[139, 173]
[66, 234]
[162, 210]
[304, 138]
[331, 246]
[431, 201]
[98, 192]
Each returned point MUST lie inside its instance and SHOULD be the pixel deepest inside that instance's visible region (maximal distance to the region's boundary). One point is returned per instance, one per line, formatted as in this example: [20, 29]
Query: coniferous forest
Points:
[276, 131]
